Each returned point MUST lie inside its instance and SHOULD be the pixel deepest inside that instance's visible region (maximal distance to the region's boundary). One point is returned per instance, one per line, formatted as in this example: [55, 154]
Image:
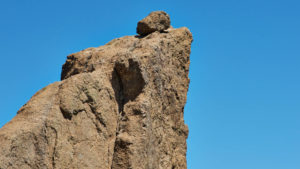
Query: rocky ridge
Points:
[117, 106]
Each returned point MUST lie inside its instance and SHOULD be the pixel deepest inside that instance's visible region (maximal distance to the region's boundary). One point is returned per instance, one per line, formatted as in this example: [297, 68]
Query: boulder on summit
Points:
[155, 21]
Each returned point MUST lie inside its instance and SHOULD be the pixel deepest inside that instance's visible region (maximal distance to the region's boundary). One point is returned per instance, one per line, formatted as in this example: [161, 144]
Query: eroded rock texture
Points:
[155, 21]
[118, 106]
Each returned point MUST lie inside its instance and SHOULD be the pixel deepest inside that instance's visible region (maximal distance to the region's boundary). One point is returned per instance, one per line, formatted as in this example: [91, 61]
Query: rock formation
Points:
[156, 21]
[117, 106]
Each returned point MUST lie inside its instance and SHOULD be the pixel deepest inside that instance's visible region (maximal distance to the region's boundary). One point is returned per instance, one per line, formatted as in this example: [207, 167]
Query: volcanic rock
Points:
[118, 106]
[155, 21]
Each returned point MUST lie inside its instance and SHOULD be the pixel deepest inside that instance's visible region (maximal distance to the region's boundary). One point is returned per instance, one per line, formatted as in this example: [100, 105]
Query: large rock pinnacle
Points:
[118, 106]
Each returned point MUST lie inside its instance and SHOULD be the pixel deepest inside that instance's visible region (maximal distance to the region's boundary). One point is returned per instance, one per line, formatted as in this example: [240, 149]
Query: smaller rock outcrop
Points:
[155, 21]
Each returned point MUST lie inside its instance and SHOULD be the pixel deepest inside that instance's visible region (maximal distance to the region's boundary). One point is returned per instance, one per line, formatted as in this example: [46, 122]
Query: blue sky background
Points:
[243, 107]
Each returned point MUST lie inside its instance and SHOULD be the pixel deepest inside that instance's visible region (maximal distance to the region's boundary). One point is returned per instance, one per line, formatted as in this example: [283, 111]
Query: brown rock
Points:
[155, 21]
[118, 106]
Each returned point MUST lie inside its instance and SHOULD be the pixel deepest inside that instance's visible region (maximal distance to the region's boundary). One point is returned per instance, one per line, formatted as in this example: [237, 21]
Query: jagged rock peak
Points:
[118, 106]
[155, 21]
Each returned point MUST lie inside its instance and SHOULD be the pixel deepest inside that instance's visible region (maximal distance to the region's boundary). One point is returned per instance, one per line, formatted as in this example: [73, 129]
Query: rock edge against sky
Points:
[118, 106]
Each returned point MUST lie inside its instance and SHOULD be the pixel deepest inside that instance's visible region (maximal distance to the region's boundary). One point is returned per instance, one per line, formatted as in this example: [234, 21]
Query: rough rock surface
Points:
[155, 21]
[118, 106]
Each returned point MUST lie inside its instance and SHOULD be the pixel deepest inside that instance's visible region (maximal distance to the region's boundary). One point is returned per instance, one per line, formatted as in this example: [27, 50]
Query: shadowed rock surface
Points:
[118, 106]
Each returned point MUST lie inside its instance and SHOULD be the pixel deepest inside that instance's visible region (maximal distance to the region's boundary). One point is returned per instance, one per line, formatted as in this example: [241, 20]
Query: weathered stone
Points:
[155, 21]
[118, 106]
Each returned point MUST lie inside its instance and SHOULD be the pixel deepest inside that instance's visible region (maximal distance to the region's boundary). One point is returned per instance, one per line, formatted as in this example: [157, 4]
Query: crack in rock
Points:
[128, 84]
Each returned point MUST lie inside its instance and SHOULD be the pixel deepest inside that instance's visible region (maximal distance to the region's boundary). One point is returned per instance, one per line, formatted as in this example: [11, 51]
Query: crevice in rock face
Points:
[128, 84]
[121, 155]
[54, 148]
[67, 115]
[118, 88]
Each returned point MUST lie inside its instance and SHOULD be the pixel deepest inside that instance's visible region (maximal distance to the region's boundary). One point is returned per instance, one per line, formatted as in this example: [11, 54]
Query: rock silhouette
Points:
[117, 106]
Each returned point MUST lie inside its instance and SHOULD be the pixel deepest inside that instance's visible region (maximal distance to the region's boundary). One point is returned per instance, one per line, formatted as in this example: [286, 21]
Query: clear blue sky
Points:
[243, 107]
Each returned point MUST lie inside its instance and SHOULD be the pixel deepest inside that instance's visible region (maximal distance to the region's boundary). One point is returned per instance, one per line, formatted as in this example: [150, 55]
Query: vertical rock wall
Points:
[118, 106]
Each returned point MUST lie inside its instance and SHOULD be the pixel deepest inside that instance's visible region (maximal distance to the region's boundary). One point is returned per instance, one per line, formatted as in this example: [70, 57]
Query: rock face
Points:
[118, 106]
